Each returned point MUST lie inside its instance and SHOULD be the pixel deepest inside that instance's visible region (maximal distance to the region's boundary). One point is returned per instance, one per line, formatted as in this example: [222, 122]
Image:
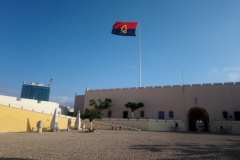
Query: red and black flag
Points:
[125, 28]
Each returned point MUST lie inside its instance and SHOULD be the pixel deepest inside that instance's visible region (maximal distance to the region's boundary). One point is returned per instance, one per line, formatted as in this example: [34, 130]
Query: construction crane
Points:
[50, 83]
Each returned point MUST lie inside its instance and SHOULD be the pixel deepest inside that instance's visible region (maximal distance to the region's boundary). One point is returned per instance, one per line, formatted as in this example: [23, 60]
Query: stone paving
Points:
[108, 144]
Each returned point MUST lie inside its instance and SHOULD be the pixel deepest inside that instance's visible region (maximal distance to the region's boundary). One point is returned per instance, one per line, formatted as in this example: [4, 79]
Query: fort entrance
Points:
[198, 119]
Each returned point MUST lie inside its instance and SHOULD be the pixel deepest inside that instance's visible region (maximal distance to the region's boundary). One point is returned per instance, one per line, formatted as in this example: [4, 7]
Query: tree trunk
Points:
[132, 115]
[90, 125]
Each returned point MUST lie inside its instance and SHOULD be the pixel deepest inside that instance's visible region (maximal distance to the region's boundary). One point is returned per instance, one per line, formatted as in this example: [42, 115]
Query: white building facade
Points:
[196, 104]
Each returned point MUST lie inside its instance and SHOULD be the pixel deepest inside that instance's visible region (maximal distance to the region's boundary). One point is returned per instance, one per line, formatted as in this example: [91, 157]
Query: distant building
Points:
[36, 91]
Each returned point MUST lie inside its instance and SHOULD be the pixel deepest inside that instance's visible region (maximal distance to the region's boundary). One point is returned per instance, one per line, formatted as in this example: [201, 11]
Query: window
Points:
[109, 114]
[237, 116]
[225, 114]
[171, 114]
[160, 115]
[142, 114]
[195, 100]
[125, 114]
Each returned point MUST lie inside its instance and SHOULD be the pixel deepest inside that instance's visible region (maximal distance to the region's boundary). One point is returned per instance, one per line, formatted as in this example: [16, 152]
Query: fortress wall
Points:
[214, 98]
[78, 104]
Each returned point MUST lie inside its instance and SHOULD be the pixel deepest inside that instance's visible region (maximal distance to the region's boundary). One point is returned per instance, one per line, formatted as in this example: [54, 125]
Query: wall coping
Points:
[140, 119]
[227, 122]
[168, 86]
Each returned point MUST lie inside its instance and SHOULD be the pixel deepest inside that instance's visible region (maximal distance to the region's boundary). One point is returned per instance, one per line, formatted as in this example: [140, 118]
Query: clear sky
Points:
[71, 42]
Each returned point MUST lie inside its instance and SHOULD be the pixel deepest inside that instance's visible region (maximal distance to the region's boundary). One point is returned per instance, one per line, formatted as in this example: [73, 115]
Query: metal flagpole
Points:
[140, 50]
[184, 103]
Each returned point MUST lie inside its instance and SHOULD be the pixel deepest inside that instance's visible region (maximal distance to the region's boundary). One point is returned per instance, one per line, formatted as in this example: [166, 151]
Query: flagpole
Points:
[140, 52]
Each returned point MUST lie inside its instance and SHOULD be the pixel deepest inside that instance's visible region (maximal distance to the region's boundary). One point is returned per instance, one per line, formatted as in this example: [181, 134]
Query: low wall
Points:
[231, 127]
[105, 125]
[21, 120]
[147, 124]
[228, 126]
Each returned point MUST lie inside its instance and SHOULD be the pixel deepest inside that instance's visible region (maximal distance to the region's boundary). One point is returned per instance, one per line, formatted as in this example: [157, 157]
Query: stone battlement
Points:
[168, 86]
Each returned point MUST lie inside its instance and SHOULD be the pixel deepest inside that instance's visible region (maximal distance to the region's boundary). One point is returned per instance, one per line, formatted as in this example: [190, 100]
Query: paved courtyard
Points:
[108, 144]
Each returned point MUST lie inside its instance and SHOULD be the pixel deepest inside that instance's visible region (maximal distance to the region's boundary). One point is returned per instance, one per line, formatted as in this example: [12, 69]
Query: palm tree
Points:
[134, 106]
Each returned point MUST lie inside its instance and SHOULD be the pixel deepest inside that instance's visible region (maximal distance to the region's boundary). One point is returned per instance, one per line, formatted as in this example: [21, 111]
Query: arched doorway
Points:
[198, 119]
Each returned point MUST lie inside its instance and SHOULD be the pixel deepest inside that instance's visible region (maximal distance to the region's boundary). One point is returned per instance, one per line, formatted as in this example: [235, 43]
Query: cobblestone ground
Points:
[108, 144]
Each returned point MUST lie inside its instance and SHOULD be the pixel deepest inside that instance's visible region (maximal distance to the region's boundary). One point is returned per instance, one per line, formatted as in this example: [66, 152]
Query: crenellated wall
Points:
[167, 86]
[214, 98]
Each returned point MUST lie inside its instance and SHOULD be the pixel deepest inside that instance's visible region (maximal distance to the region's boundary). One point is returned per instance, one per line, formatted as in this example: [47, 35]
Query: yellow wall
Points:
[20, 120]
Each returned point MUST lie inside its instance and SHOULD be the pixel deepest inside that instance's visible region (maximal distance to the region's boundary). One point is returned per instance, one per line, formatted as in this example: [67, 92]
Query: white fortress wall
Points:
[153, 99]
[79, 104]
[214, 98]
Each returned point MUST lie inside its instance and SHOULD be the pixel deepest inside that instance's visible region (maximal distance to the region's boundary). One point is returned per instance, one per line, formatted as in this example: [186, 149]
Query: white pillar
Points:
[54, 123]
[91, 125]
[78, 121]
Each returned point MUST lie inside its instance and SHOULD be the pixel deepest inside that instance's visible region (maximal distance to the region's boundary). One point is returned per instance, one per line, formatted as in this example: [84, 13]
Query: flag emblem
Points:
[124, 28]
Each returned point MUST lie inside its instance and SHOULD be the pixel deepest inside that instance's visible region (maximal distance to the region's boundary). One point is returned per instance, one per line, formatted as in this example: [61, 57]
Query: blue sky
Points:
[71, 42]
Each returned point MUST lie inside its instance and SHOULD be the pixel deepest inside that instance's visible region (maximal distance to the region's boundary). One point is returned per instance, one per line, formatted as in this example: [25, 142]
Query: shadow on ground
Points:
[193, 151]
[2, 158]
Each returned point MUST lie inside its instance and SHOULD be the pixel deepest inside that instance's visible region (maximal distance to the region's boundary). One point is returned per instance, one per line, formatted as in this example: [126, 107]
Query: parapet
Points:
[168, 86]
[196, 84]
[175, 86]
[157, 86]
[149, 87]
[217, 83]
[186, 85]
[206, 84]
[228, 83]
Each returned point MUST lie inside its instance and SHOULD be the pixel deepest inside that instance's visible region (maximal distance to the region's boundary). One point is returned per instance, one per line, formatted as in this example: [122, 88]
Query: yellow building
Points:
[23, 115]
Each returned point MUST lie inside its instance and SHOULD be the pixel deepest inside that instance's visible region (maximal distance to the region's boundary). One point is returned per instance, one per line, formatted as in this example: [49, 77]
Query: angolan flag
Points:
[124, 28]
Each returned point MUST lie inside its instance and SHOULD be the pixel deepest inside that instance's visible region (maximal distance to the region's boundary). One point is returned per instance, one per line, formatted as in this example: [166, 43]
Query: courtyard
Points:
[113, 144]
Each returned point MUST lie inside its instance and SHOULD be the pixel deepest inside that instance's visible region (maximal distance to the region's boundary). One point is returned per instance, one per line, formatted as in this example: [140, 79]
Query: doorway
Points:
[198, 119]
[237, 116]
[125, 114]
